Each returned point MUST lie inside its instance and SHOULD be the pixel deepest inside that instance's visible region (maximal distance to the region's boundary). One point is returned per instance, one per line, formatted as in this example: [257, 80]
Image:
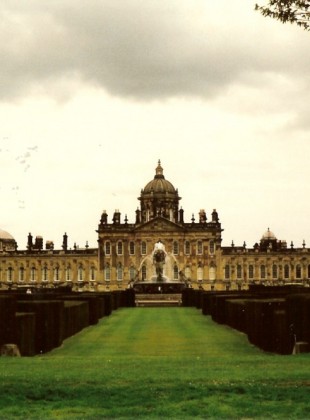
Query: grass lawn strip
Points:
[155, 363]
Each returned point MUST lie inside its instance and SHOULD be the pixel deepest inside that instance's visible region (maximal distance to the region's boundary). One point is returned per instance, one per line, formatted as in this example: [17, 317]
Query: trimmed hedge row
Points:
[273, 318]
[39, 322]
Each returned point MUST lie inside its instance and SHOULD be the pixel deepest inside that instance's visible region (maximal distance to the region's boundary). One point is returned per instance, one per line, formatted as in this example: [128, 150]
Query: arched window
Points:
[132, 273]
[107, 248]
[131, 248]
[143, 248]
[21, 274]
[56, 273]
[251, 271]
[187, 272]
[10, 274]
[107, 273]
[239, 271]
[92, 273]
[262, 271]
[286, 271]
[211, 247]
[274, 271]
[175, 247]
[212, 272]
[187, 248]
[227, 272]
[80, 273]
[298, 271]
[175, 272]
[68, 273]
[199, 247]
[119, 272]
[33, 274]
[199, 273]
[143, 272]
[45, 273]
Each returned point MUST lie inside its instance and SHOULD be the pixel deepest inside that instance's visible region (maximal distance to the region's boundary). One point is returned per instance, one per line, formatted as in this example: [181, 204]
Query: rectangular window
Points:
[119, 248]
[175, 247]
[108, 248]
[199, 247]
[131, 248]
[251, 271]
[143, 248]
[187, 248]
[211, 247]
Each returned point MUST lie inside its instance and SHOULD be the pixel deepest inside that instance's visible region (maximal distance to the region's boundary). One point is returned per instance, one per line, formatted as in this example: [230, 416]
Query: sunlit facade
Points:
[194, 255]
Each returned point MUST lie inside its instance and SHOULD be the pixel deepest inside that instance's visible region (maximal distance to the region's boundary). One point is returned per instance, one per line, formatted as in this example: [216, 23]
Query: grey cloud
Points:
[141, 49]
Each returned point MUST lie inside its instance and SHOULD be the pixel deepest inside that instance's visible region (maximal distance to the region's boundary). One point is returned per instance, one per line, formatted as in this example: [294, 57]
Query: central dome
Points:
[159, 184]
[159, 198]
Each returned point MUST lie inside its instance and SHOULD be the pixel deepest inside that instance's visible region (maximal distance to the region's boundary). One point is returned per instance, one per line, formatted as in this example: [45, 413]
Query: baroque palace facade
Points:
[192, 253]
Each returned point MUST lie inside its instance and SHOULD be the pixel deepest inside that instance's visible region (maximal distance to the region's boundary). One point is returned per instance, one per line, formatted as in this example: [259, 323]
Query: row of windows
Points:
[45, 274]
[133, 272]
[275, 269]
[144, 248]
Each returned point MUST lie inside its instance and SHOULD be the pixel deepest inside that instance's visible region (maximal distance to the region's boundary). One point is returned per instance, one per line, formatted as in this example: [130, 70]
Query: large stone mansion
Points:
[192, 252]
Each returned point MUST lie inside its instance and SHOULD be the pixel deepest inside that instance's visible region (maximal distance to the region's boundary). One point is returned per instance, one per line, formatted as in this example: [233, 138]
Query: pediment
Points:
[159, 224]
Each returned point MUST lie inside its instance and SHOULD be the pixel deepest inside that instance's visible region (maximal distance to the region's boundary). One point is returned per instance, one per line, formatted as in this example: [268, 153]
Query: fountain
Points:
[160, 269]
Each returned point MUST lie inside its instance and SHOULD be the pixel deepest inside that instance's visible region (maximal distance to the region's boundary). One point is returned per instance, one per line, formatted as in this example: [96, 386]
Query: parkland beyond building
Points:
[159, 251]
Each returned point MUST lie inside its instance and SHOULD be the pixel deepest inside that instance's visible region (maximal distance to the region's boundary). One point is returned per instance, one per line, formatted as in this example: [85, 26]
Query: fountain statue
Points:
[159, 257]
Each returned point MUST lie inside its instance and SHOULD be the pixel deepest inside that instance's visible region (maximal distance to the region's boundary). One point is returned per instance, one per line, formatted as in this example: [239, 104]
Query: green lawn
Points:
[156, 363]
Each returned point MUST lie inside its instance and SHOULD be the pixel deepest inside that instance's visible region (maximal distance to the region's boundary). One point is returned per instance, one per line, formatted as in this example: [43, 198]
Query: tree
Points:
[288, 11]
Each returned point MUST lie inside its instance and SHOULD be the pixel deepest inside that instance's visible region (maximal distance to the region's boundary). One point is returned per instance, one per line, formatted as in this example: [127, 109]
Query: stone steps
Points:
[158, 300]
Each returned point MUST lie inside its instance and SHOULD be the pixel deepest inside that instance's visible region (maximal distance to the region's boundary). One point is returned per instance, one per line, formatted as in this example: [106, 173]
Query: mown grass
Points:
[155, 363]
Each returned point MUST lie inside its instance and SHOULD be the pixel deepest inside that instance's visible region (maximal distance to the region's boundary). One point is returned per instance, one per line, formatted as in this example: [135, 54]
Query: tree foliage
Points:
[288, 11]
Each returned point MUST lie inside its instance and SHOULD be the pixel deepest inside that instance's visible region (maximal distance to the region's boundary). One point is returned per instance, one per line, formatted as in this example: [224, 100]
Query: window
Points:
[298, 271]
[143, 248]
[92, 273]
[68, 273]
[175, 247]
[10, 274]
[199, 247]
[143, 272]
[251, 271]
[286, 271]
[274, 271]
[119, 272]
[33, 274]
[199, 273]
[175, 272]
[211, 247]
[80, 273]
[21, 274]
[262, 271]
[131, 248]
[56, 274]
[187, 272]
[45, 273]
[108, 248]
[187, 248]
[119, 248]
[132, 273]
[239, 271]
[107, 273]
[227, 272]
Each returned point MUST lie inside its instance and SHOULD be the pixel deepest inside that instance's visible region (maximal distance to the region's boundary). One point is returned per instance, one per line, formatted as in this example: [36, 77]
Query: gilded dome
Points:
[159, 184]
[5, 235]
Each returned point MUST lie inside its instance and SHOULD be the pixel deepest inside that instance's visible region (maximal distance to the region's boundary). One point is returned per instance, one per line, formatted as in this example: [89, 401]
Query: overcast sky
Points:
[93, 93]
